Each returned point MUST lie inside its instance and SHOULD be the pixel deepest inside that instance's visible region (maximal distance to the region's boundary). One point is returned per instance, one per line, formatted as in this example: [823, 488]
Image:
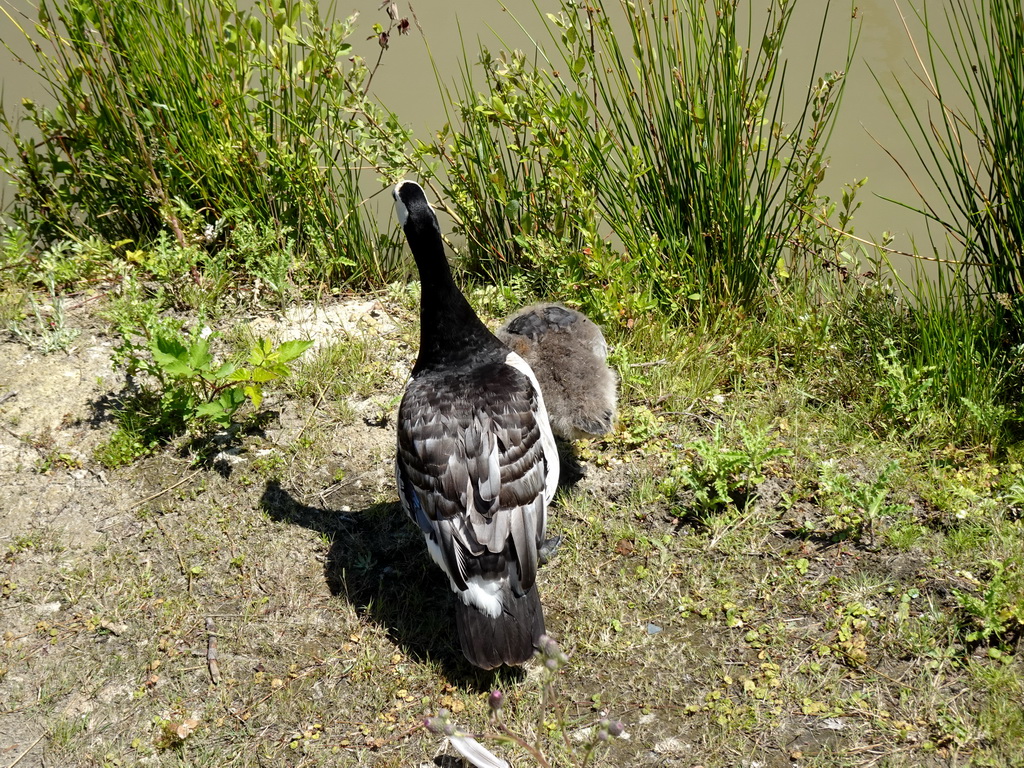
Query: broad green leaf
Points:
[215, 412]
[261, 375]
[171, 347]
[173, 365]
[290, 350]
[260, 352]
[199, 356]
[255, 394]
[233, 398]
[209, 409]
[171, 356]
[226, 370]
[288, 35]
[781, 268]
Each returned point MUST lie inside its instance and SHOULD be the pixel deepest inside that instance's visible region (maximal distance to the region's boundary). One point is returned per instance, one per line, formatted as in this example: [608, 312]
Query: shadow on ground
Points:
[378, 562]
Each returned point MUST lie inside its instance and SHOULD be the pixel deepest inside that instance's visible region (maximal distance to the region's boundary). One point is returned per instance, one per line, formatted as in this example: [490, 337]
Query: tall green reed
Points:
[190, 115]
[969, 317]
[645, 162]
[972, 146]
[697, 168]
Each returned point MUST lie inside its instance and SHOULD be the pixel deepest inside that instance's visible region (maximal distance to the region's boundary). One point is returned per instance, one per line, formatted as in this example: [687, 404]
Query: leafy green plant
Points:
[850, 622]
[720, 475]
[996, 613]
[133, 438]
[46, 333]
[853, 508]
[512, 181]
[190, 378]
[180, 385]
[510, 177]
[16, 262]
[907, 396]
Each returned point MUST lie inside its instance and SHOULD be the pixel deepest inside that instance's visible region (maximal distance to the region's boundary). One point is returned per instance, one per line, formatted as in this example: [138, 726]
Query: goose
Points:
[569, 356]
[476, 465]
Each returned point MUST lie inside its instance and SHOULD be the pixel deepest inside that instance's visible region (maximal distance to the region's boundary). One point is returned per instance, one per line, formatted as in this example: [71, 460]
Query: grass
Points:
[742, 633]
[801, 545]
[640, 164]
[682, 127]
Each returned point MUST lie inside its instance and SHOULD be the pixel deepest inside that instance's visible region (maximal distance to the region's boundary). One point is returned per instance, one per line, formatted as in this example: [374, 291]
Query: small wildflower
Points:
[616, 728]
[553, 655]
[440, 725]
[496, 701]
[547, 645]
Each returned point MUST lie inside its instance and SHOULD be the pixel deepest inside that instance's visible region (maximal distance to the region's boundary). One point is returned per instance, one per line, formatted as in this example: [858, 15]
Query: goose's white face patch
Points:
[400, 209]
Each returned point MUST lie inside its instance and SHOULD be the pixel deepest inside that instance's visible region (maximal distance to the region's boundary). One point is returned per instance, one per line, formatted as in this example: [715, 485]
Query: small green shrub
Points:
[995, 613]
[851, 509]
[197, 118]
[907, 396]
[45, 332]
[129, 441]
[180, 386]
[720, 475]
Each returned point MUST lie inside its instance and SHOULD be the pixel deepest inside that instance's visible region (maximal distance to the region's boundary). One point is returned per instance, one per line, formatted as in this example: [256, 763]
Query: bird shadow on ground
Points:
[377, 561]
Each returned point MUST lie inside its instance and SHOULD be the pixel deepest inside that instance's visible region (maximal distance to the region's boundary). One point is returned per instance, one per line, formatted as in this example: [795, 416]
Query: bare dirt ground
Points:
[264, 602]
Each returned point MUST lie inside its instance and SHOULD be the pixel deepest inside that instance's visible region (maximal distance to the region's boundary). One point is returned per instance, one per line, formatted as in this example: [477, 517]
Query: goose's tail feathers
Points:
[510, 638]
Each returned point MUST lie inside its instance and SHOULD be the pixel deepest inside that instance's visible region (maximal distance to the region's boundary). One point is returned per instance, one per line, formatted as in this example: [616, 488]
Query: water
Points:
[406, 82]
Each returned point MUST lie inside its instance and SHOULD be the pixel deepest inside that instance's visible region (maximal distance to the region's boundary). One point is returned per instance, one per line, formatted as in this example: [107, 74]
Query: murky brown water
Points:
[406, 82]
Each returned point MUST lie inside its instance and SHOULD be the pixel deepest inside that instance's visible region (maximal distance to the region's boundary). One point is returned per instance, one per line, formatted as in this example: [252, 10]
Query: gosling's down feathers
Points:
[476, 465]
[568, 354]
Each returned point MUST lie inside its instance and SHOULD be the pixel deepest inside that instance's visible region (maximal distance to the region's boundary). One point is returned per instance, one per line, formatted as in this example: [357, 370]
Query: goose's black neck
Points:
[450, 331]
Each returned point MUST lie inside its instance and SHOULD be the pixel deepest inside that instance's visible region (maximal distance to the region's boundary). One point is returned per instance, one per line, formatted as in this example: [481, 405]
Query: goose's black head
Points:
[450, 331]
[414, 212]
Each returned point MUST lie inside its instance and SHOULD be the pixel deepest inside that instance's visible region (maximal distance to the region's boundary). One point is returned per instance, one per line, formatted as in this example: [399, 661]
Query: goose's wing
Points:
[474, 467]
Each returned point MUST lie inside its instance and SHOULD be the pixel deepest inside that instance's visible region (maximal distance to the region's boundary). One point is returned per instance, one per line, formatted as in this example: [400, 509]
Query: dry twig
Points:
[211, 652]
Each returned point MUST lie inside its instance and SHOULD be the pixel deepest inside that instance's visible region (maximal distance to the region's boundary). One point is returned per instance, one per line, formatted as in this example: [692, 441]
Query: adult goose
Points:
[569, 356]
[477, 464]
